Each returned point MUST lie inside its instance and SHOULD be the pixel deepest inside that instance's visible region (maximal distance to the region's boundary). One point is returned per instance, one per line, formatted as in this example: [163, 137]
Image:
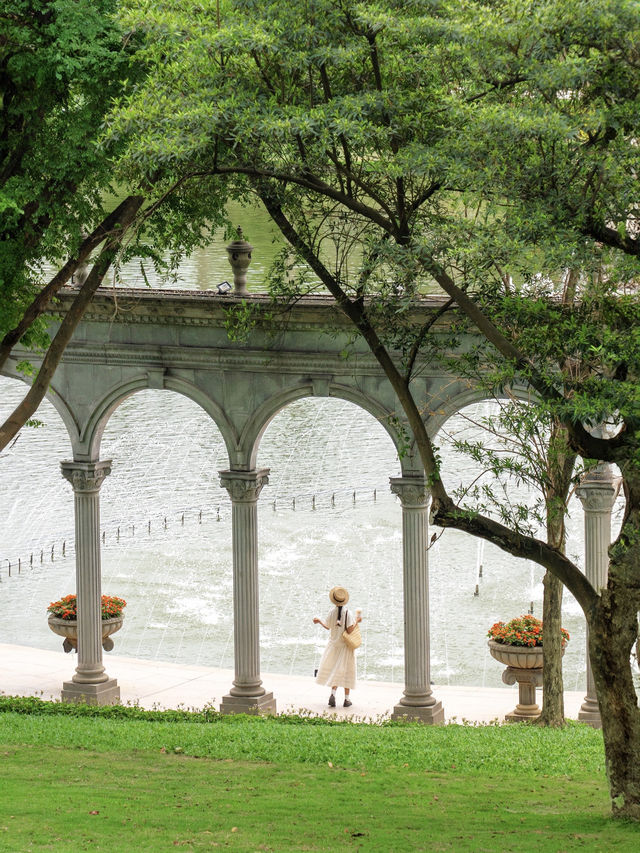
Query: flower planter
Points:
[68, 628]
[519, 657]
[524, 665]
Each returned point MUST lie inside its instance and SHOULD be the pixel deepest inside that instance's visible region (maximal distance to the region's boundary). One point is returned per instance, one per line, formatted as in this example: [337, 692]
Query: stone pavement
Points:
[26, 671]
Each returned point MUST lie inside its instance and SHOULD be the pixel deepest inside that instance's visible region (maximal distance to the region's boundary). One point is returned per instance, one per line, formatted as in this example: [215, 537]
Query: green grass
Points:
[107, 783]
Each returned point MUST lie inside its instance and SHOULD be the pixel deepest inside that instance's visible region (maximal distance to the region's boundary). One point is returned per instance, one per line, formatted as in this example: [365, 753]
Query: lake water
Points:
[167, 531]
[209, 266]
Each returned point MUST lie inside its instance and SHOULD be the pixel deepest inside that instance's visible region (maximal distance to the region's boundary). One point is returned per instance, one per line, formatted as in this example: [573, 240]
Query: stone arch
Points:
[89, 445]
[57, 400]
[262, 417]
[447, 407]
[454, 404]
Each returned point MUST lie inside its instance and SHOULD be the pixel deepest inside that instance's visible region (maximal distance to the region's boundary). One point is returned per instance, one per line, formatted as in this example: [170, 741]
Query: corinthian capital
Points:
[598, 489]
[596, 498]
[244, 486]
[86, 476]
[412, 491]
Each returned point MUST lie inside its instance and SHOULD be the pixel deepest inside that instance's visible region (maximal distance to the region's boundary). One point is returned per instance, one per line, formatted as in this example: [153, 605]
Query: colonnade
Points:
[90, 683]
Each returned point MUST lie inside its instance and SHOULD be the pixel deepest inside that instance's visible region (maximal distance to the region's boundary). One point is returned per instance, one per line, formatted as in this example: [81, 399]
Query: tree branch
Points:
[444, 512]
[527, 547]
[326, 88]
[50, 362]
[366, 188]
[419, 340]
[311, 182]
[41, 302]
[610, 237]
[582, 441]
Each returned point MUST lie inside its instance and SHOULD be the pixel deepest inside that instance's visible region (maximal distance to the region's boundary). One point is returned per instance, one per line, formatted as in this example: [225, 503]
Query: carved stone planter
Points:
[524, 665]
[68, 628]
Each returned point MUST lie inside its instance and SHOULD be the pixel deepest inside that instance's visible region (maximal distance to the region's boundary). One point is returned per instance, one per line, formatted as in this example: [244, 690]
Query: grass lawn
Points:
[105, 783]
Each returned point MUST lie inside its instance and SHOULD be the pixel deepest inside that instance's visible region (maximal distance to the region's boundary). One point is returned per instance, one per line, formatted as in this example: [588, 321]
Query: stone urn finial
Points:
[240, 258]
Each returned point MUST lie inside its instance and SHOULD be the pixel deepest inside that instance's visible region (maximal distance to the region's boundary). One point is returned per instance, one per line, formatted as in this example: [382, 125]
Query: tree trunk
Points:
[552, 683]
[612, 633]
[560, 463]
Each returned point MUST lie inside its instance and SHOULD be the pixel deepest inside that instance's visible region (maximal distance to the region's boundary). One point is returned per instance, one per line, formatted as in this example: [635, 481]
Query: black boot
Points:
[332, 701]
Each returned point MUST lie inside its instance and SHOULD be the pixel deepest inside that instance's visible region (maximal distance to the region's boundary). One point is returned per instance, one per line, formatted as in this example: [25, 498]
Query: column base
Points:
[104, 693]
[589, 713]
[429, 714]
[522, 713]
[264, 704]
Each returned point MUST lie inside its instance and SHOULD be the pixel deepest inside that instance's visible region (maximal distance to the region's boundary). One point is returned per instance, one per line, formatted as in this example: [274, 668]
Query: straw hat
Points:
[339, 596]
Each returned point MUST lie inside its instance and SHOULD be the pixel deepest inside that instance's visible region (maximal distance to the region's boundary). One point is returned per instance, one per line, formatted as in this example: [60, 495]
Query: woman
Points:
[338, 664]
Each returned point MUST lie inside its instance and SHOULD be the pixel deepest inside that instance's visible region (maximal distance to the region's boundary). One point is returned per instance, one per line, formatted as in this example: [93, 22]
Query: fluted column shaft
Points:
[247, 693]
[597, 493]
[90, 679]
[417, 700]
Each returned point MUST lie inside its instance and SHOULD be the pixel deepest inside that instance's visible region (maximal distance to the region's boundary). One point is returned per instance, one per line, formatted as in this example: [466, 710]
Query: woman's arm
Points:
[352, 627]
[317, 621]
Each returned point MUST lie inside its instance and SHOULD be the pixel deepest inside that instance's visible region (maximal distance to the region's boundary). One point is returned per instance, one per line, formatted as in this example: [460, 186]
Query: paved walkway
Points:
[26, 671]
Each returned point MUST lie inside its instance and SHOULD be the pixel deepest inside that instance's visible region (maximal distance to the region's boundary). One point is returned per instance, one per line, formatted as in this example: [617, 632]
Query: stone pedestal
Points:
[597, 492]
[417, 701]
[528, 679]
[247, 696]
[90, 683]
[256, 705]
[524, 665]
[105, 693]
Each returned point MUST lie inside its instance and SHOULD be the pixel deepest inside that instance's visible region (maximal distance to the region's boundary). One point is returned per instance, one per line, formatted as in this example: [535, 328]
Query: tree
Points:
[62, 65]
[486, 149]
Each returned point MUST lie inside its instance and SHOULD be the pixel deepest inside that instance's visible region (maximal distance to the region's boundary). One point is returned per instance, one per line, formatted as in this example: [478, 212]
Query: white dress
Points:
[338, 664]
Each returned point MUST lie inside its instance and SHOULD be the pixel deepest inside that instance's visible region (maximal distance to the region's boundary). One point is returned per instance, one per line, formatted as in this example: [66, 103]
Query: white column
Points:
[597, 492]
[247, 695]
[417, 702]
[90, 683]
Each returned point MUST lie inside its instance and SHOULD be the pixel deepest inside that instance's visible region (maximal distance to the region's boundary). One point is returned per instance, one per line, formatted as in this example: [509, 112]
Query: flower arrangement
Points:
[523, 631]
[67, 608]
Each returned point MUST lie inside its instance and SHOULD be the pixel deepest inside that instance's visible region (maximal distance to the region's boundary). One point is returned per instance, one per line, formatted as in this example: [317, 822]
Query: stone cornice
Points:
[298, 362]
[257, 361]
[207, 308]
[597, 498]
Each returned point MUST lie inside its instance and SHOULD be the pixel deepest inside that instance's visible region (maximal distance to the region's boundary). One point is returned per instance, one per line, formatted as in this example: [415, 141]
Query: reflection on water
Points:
[167, 542]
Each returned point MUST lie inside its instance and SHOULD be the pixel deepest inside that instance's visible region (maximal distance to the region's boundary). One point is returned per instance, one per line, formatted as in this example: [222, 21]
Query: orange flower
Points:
[67, 607]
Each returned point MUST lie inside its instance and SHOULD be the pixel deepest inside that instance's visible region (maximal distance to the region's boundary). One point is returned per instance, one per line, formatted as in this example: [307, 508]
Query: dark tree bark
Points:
[613, 631]
[552, 682]
[560, 462]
